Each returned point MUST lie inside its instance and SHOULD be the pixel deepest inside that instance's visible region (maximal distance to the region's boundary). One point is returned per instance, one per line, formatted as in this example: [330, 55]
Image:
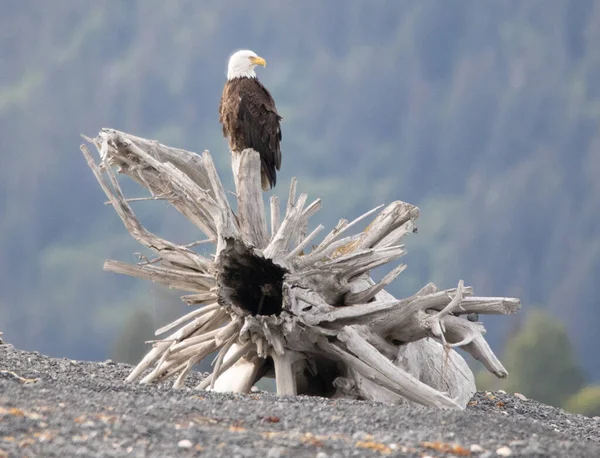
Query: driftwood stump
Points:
[273, 302]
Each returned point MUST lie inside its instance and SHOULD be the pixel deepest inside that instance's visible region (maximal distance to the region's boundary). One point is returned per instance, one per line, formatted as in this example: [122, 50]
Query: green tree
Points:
[130, 346]
[585, 401]
[540, 362]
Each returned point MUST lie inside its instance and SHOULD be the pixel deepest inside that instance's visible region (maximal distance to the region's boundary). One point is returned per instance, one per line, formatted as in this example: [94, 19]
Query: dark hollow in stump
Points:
[249, 282]
[274, 301]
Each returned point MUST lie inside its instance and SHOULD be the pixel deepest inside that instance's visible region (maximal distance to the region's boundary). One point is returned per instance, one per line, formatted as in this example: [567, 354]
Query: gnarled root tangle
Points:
[270, 305]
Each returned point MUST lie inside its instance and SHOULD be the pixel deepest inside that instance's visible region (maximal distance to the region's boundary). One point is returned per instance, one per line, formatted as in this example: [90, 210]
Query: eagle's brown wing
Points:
[259, 125]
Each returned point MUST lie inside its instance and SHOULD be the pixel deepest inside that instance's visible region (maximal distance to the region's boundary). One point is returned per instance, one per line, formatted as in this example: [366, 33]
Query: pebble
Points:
[504, 451]
[532, 449]
[518, 443]
[276, 452]
[359, 435]
[184, 443]
[520, 396]
[476, 448]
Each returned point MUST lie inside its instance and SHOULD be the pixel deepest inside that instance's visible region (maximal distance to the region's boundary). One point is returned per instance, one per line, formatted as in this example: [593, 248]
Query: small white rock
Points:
[185, 443]
[520, 396]
[504, 451]
[517, 443]
[476, 448]
[359, 435]
[502, 391]
[276, 452]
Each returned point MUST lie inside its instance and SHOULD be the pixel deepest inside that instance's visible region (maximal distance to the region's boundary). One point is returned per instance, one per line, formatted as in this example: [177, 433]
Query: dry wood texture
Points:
[267, 304]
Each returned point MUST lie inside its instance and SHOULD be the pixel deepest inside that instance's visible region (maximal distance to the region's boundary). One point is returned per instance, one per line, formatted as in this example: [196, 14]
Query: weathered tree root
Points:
[315, 320]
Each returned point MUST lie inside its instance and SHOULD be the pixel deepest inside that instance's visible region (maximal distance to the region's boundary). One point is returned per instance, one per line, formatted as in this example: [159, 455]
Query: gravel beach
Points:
[58, 407]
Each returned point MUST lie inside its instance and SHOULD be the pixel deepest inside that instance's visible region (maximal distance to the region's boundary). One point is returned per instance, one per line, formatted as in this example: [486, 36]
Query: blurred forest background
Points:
[484, 114]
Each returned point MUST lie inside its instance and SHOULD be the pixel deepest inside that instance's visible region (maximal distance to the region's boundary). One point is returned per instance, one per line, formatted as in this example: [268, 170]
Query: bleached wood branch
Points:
[184, 280]
[407, 386]
[270, 305]
[251, 208]
[275, 218]
[187, 317]
[285, 377]
[366, 295]
[191, 192]
[304, 243]
[240, 377]
[140, 233]
[200, 298]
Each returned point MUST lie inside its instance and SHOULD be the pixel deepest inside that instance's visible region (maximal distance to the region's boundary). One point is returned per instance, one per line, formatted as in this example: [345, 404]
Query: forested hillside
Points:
[484, 114]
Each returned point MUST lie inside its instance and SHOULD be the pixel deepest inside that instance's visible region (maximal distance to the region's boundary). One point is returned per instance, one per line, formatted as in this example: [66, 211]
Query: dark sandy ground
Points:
[61, 408]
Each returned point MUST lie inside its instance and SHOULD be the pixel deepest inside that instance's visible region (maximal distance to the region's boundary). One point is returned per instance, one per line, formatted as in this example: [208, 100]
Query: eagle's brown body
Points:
[250, 120]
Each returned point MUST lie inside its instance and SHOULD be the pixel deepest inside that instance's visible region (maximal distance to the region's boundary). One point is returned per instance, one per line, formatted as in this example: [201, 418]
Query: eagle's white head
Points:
[242, 63]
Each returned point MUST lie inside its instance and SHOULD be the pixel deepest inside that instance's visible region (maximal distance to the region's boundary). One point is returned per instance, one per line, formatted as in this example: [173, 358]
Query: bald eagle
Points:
[249, 117]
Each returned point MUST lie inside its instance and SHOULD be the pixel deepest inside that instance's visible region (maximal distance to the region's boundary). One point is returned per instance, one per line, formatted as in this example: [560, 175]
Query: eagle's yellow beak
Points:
[258, 61]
